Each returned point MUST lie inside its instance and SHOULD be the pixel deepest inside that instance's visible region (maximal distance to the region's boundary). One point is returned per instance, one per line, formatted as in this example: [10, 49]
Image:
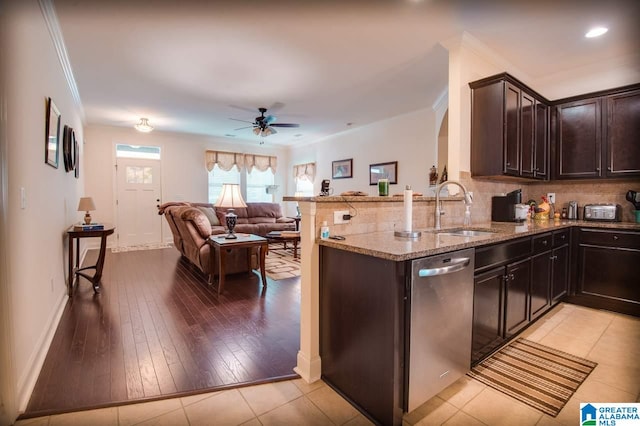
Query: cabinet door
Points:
[527, 134]
[623, 128]
[560, 273]
[517, 296]
[512, 130]
[487, 313]
[541, 153]
[540, 283]
[579, 139]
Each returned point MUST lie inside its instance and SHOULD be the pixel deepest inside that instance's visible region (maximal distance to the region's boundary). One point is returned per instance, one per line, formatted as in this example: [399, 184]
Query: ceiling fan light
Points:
[256, 131]
[143, 126]
[596, 32]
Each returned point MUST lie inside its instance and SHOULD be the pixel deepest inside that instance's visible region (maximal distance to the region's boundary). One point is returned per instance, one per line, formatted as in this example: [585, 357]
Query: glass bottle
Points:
[445, 176]
[433, 175]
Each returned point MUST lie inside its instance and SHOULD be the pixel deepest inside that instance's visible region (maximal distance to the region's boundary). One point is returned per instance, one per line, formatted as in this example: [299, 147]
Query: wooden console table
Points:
[76, 235]
[220, 246]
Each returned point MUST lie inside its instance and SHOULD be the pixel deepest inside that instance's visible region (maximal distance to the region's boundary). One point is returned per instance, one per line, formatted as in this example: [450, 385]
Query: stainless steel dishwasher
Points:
[441, 321]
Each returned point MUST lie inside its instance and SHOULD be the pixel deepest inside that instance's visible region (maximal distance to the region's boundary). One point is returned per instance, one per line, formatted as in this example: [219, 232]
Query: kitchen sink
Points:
[467, 233]
[464, 232]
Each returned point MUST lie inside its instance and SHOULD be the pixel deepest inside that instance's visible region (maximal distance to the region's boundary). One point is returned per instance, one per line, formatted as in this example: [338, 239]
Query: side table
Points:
[76, 235]
[220, 246]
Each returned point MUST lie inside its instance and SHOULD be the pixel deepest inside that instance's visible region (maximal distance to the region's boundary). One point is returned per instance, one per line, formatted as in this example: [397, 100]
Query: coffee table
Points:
[277, 236]
[220, 246]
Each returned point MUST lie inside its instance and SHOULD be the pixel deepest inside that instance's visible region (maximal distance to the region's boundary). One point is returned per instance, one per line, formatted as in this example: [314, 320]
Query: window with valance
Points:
[305, 172]
[226, 160]
[253, 173]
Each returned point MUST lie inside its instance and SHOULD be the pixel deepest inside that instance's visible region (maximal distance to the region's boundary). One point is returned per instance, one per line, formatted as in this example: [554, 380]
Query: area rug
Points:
[537, 375]
[280, 264]
[151, 246]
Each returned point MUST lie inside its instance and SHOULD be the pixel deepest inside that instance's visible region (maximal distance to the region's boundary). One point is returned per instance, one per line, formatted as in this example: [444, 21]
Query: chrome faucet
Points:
[439, 212]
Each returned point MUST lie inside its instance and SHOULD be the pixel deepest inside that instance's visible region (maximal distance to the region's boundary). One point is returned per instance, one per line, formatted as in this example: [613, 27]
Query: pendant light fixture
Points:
[144, 126]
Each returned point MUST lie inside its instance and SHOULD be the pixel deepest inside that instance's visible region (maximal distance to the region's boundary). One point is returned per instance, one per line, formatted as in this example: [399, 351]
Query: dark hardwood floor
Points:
[158, 330]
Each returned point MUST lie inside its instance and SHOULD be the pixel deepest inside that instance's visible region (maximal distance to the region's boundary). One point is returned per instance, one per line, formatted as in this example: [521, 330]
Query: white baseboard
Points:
[27, 383]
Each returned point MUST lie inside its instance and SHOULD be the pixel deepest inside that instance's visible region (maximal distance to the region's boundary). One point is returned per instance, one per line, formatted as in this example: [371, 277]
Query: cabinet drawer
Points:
[613, 238]
[497, 254]
[541, 243]
[561, 237]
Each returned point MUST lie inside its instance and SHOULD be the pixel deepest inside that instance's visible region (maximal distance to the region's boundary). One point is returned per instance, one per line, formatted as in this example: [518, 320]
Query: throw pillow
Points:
[210, 214]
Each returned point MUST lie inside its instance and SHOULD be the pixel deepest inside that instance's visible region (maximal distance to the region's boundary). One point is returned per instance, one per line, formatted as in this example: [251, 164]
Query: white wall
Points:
[409, 139]
[184, 176]
[36, 238]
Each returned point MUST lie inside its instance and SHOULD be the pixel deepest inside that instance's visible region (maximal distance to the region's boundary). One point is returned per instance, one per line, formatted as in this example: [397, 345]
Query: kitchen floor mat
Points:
[537, 375]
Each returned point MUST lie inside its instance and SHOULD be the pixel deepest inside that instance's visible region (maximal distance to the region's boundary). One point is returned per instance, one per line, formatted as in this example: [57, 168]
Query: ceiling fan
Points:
[264, 125]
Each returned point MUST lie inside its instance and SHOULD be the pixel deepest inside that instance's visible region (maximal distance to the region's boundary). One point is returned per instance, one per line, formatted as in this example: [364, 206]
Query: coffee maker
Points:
[503, 207]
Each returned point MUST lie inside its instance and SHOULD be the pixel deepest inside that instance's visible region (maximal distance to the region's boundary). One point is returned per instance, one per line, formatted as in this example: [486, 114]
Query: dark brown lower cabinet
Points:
[517, 281]
[559, 273]
[607, 272]
[488, 315]
[362, 308]
[541, 265]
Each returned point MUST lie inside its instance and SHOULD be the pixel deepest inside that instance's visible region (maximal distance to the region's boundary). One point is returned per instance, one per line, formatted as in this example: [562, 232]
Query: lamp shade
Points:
[230, 196]
[86, 204]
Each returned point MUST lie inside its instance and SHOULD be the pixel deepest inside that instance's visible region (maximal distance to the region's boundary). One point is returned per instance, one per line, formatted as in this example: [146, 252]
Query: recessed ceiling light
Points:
[596, 32]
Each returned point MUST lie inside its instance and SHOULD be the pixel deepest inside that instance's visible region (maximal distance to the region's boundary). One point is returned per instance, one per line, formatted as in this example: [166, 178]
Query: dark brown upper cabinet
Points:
[579, 139]
[623, 134]
[597, 135]
[509, 129]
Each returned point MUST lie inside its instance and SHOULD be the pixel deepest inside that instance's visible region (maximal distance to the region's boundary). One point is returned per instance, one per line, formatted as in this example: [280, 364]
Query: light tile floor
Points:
[612, 340]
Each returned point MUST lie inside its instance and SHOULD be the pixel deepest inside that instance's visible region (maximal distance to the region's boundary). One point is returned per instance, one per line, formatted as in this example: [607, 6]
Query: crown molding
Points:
[51, 19]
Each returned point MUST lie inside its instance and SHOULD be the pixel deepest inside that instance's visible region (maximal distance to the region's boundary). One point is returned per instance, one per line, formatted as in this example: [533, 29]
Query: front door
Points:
[138, 182]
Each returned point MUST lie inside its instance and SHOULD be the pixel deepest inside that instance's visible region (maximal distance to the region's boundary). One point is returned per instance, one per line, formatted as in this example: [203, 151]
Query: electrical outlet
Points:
[551, 197]
[338, 217]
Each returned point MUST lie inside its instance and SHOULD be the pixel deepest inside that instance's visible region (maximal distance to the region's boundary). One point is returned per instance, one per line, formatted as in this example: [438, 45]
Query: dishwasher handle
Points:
[457, 264]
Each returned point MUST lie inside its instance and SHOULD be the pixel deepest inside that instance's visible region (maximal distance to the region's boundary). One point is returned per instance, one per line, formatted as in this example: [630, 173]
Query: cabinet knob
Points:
[597, 169]
[506, 278]
[512, 277]
[562, 237]
[508, 164]
[544, 242]
[615, 237]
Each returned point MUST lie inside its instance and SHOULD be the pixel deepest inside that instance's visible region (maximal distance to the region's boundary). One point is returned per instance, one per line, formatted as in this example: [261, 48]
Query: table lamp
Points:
[230, 198]
[86, 205]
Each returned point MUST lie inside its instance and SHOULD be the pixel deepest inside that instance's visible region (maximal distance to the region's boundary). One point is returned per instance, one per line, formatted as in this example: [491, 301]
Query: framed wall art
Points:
[383, 171]
[68, 148]
[52, 134]
[342, 169]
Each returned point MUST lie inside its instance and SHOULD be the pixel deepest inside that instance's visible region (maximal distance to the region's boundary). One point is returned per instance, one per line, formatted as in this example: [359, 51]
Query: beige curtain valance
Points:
[260, 162]
[305, 171]
[224, 160]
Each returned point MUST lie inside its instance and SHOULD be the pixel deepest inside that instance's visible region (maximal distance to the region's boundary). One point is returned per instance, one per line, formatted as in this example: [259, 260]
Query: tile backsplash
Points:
[584, 192]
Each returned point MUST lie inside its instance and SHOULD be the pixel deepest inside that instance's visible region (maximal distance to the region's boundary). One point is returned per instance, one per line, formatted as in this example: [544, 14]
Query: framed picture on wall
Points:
[342, 169]
[52, 134]
[383, 171]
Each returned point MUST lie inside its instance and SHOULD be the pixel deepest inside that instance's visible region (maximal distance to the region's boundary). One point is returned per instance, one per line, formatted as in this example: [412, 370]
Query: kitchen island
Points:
[522, 270]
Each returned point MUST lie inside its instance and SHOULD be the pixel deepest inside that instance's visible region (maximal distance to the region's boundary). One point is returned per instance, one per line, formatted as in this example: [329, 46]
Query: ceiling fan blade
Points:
[270, 119]
[242, 128]
[244, 121]
[243, 108]
[285, 125]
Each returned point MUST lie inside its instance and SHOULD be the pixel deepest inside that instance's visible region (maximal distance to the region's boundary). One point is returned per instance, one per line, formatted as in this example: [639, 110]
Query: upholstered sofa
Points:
[192, 223]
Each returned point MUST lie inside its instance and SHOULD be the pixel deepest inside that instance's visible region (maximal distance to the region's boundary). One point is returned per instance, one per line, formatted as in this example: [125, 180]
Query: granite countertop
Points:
[393, 198]
[387, 246]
